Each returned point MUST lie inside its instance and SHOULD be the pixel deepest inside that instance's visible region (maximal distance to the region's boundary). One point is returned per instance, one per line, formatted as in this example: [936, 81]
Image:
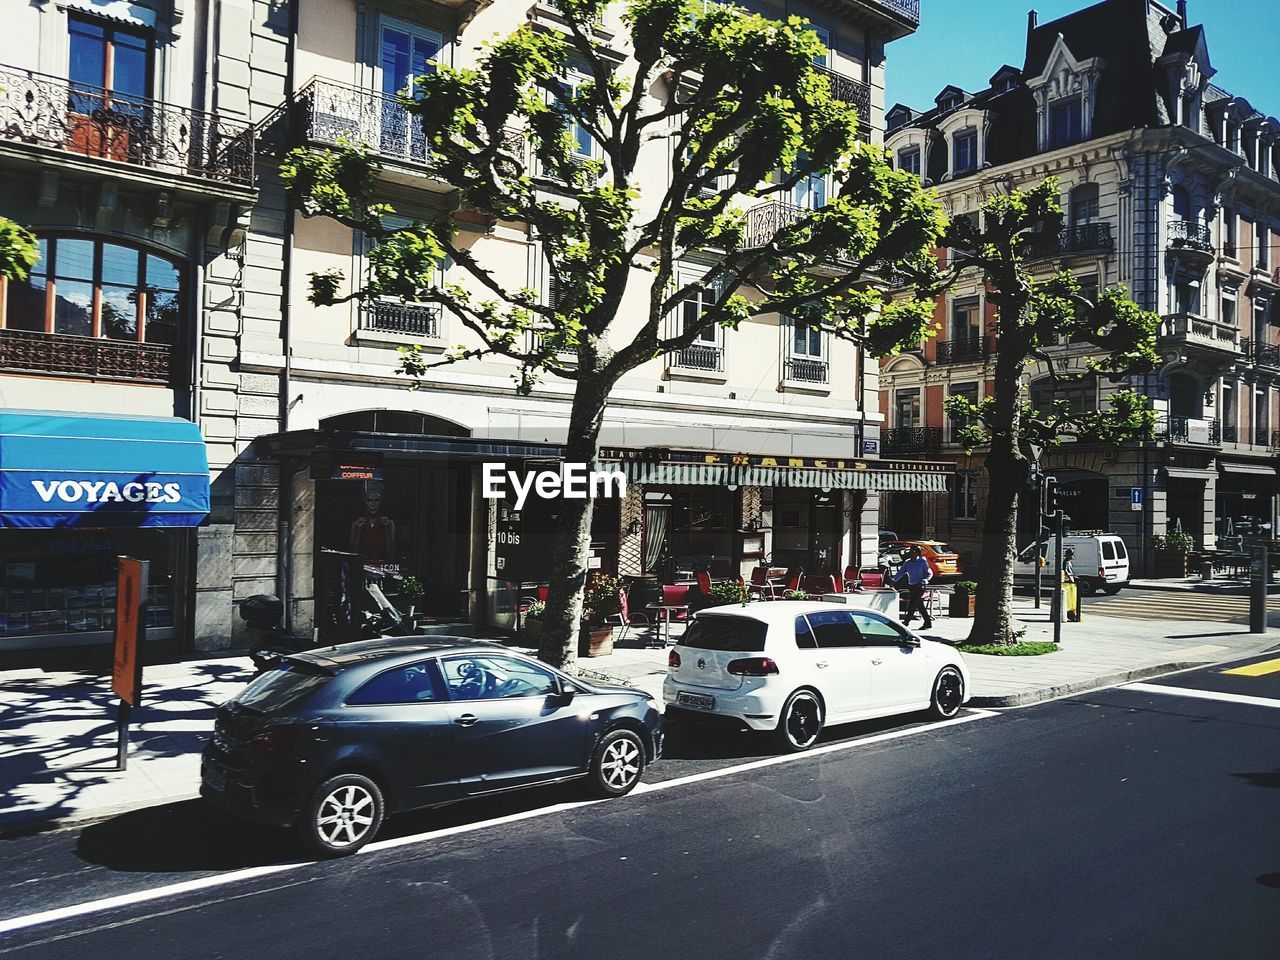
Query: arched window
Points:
[1084, 204]
[83, 287]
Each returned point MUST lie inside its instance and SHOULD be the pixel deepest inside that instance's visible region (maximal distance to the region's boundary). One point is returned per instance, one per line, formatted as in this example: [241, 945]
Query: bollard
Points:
[1259, 576]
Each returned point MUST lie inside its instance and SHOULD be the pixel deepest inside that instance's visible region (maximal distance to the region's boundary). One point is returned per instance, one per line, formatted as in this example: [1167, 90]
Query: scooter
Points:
[263, 612]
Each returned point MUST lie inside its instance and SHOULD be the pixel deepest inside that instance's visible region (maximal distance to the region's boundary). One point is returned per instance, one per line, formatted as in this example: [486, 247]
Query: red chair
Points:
[524, 603]
[676, 595]
[851, 582]
[795, 577]
[821, 583]
[871, 579]
[626, 617]
[761, 586]
[704, 582]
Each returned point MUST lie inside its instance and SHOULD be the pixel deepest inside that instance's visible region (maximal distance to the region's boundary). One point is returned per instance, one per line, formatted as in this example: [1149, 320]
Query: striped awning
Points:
[721, 474]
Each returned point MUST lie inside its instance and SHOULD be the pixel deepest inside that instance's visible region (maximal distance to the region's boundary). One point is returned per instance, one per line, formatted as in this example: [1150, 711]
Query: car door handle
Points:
[822, 664]
[466, 720]
[876, 663]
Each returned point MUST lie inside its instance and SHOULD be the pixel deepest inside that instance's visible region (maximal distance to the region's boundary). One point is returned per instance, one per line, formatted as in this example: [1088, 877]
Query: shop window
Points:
[690, 529]
[83, 287]
[964, 497]
[807, 525]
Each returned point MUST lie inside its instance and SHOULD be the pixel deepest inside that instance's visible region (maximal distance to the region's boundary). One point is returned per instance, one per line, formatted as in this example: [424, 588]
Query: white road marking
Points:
[1202, 694]
[252, 873]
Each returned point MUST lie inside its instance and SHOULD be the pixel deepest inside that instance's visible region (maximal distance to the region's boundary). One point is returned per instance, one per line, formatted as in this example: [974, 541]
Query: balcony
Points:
[1193, 330]
[764, 220]
[704, 358]
[1083, 238]
[900, 440]
[419, 320]
[895, 18]
[969, 350]
[805, 370]
[50, 113]
[855, 93]
[1191, 431]
[1191, 240]
[335, 114]
[1275, 440]
[1262, 354]
[96, 359]
[1230, 433]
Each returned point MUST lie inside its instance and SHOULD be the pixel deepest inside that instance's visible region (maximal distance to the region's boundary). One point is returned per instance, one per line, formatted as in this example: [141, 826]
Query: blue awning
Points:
[86, 470]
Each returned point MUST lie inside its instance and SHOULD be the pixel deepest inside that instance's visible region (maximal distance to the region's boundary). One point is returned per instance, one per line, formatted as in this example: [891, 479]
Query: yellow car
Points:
[943, 561]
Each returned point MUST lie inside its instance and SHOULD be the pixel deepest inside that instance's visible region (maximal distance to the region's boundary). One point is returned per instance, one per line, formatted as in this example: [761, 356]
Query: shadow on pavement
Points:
[1271, 779]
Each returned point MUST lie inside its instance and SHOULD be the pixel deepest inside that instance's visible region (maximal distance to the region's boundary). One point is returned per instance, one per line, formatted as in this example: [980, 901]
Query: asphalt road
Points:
[1135, 822]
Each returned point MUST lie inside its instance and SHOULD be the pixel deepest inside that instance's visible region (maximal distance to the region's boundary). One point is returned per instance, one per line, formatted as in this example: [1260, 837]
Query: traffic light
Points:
[1052, 501]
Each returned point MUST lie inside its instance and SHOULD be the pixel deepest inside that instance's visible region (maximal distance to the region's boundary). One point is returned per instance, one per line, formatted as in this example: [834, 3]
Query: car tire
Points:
[1110, 590]
[1087, 588]
[341, 816]
[616, 764]
[948, 694]
[800, 722]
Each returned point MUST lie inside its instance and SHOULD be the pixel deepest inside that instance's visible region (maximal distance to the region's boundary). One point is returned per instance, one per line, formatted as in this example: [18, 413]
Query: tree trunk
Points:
[572, 545]
[1006, 473]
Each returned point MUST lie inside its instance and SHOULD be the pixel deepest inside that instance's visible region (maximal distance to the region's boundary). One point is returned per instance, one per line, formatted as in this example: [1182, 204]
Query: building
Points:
[1171, 188]
[725, 442]
[126, 144]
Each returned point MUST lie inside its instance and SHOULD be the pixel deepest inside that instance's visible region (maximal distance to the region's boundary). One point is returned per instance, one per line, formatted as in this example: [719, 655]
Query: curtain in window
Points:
[655, 522]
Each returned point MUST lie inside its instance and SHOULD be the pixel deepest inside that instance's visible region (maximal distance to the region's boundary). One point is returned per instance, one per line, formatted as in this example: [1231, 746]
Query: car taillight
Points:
[752, 667]
[1102, 572]
[275, 742]
[673, 659]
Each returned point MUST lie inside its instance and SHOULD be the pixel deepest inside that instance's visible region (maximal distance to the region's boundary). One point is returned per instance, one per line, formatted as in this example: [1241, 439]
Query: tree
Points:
[731, 106]
[19, 250]
[1032, 316]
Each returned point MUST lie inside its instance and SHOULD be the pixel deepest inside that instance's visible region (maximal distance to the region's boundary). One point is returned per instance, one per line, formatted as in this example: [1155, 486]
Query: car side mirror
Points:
[567, 692]
[911, 640]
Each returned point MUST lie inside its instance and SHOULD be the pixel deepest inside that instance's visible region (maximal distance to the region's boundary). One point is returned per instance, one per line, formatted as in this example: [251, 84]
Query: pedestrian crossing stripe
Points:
[1256, 669]
[1165, 606]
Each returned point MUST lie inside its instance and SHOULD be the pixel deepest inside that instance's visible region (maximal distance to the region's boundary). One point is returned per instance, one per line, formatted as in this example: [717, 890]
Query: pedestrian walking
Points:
[1068, 568]
[916, 573]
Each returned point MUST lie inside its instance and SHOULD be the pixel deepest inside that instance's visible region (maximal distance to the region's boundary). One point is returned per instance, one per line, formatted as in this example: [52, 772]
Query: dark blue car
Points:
[337, 738]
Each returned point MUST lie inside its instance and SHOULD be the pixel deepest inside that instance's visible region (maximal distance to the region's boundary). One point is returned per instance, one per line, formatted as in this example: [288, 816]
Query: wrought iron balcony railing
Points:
[806, 370]
[1189, 430]
[700, 357]
[1275, 440]
[1080, 238]
[53, 112]
[910, 9]
[969, 350]
[855, 93]
[1190, 235]
[1263, 354]
[412, 319]
[335, 114]
[912, 439]
[98, 359]
[766, 219]
[1230, 433]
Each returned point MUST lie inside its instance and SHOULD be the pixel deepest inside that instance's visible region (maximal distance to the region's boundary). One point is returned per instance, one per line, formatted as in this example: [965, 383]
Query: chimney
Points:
[1033, 21]
[1182, 13]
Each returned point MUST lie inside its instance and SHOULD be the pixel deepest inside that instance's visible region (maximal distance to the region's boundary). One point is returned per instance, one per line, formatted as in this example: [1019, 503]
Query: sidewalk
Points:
[57, 730]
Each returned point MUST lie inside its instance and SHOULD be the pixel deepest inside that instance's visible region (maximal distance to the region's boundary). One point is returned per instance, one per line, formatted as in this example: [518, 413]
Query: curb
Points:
[26, 826]
[1028, 697]
[1211, 591]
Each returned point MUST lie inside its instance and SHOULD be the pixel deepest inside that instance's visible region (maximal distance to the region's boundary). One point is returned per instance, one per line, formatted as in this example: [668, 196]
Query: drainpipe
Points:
[284, 547]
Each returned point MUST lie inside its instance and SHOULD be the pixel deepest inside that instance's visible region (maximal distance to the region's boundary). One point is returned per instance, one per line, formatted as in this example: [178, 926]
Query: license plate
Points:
[214, 778]
[699, 701]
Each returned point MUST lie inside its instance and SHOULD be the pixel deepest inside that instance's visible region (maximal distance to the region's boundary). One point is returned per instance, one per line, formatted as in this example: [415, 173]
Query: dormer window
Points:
[949, 103]
[1066, 122]
[909, 160]
[965, 152]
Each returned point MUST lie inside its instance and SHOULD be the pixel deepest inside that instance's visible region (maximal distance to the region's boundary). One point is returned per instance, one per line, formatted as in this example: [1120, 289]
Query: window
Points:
[806, 339]
[726, 633]
[805, 639]
[877, 631]
[487, 677]
[1084, 204]
[1108, 550]
[1230, 412]
[966, 327]
[1181, 203]
[1186, 297]
[833, 629]
[964, 497]
[1230, 232]
[1264, 247]
[415, 683]
[1261, 411]
[109, 65]
[824, 36]
[583, 144]
[966, 152]
[1066, 122]
[406, 52]
[706, 352]
[970, 392]
[810, 193]
[1080, 395]
[87, 288]
[907, 408]
[909, 160]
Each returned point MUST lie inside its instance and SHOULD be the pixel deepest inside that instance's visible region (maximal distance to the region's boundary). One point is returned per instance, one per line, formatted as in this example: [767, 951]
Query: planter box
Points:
[961, 605]
[1170, 563]
[595, 641]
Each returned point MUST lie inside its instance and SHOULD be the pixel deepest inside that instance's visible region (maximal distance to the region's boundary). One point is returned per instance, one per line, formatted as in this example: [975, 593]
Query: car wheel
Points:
[343, 814]
[617, 764]
[1087, 588]
[1111, 591]
[800, 723]
[948, 694]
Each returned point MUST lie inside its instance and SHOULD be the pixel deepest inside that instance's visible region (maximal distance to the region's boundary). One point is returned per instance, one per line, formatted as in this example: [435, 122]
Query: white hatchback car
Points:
[794, 667]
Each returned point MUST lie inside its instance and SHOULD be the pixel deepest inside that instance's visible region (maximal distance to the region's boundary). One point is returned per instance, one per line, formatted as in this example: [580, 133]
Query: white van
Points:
[1101, 562]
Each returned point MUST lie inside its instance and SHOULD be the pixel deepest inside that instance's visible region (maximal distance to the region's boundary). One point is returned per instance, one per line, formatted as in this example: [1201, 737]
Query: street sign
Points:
[1135, 498]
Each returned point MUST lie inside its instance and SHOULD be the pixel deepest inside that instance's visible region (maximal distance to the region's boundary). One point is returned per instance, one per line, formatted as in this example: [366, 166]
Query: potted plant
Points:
[795, 595]
[1171, 551]
[725, 594]
[963, 600]
[532, 628]
[410, 593]
[601, 600]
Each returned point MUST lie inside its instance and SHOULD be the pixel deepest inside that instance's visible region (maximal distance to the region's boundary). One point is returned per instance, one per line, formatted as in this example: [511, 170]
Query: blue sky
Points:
[964, 43]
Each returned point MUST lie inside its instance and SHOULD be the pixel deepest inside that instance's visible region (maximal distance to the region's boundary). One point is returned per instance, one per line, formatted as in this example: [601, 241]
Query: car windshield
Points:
[732, 634]
[279, 689]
